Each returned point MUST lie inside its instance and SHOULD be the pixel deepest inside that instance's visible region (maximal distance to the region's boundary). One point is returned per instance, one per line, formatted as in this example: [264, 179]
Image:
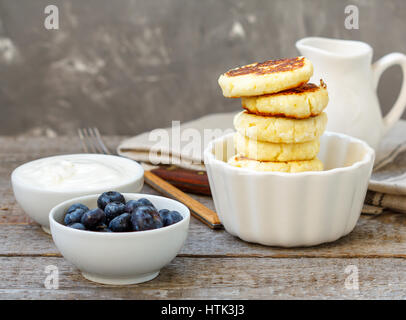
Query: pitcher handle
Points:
[378, 68]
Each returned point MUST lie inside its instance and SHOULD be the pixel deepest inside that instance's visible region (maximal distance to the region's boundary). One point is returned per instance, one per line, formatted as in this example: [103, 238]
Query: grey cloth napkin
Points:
[162, 146]
[387, 187]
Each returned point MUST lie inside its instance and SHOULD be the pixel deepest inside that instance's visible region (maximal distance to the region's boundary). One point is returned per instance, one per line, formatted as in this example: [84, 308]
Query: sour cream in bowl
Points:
[41, 184]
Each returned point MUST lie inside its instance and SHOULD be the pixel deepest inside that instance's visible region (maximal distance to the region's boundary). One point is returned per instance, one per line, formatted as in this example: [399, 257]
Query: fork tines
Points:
[91, 141]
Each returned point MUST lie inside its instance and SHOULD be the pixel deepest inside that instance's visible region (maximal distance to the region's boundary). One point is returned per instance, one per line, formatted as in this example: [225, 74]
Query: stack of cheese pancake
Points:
[283, 118]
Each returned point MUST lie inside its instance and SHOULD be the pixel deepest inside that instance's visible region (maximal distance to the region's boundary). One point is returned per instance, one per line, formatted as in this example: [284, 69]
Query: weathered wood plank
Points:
[207, 278]
[374, 236]
[382, 236]
[212, 264]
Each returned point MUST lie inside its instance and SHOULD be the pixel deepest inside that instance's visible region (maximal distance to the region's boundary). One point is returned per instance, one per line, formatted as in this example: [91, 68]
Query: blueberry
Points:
[67, 220]
[163, 213]
[109, 196]
[170, 217]
[157, 218]
[105, 230]
[93, 218]
[122, 223]
[114, 209]
[146, 218]
[78, 226]
[145, 202]
[132, 205]
[76, 206]
[142, 221]
[75, 213]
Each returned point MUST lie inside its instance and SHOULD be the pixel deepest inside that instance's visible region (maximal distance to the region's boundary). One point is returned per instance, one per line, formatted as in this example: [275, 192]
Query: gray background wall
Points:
[128, 66]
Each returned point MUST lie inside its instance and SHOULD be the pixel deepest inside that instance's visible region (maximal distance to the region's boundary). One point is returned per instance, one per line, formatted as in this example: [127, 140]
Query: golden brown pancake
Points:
[302, 102]
[270, 66]
[266, 77]
[280, 129]
[284, 166]
[268, 151]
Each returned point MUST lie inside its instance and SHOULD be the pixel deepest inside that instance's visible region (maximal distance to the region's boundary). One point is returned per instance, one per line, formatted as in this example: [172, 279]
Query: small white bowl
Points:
[38, 201]
[291, 209]
[123, 257]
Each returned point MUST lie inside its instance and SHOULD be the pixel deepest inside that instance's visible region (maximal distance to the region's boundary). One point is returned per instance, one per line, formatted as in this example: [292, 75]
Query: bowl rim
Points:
[368, 157]
[52, 219]
[15, 179]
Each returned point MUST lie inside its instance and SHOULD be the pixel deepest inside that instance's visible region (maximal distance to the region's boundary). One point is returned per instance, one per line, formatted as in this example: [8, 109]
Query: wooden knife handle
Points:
[190, 181]
[197, 209]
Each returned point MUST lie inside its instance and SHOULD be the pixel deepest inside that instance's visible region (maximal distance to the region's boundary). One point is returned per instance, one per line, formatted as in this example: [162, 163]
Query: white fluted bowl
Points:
[292, 209]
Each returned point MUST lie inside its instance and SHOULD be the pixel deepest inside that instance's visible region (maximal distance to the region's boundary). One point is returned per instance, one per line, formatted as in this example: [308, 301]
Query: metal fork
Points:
[92, 142]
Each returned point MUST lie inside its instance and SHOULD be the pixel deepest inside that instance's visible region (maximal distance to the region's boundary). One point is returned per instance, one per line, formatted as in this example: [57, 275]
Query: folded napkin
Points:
[183, 145]
[387, 186]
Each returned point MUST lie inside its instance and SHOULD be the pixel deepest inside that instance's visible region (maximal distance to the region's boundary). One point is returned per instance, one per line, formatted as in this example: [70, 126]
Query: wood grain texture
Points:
[383, 236]
[219, 278]
[212, 264]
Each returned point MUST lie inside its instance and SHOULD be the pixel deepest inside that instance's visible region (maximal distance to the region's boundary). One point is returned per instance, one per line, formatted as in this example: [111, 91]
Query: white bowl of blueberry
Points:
[119, 239]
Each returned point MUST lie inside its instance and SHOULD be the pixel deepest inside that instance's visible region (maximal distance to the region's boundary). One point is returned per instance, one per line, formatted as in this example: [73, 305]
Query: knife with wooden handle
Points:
[197, 209]
[190, 181]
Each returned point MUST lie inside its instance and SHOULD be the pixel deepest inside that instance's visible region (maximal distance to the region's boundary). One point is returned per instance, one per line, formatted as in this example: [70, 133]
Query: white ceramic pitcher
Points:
[351, 81]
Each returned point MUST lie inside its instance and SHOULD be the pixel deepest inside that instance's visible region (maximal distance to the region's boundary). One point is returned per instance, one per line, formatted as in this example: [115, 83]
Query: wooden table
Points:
[211, 265]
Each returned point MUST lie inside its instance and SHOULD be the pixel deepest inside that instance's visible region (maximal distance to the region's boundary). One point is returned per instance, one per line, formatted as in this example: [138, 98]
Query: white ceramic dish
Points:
[120, 258]
[292, 209]
[38, 201]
